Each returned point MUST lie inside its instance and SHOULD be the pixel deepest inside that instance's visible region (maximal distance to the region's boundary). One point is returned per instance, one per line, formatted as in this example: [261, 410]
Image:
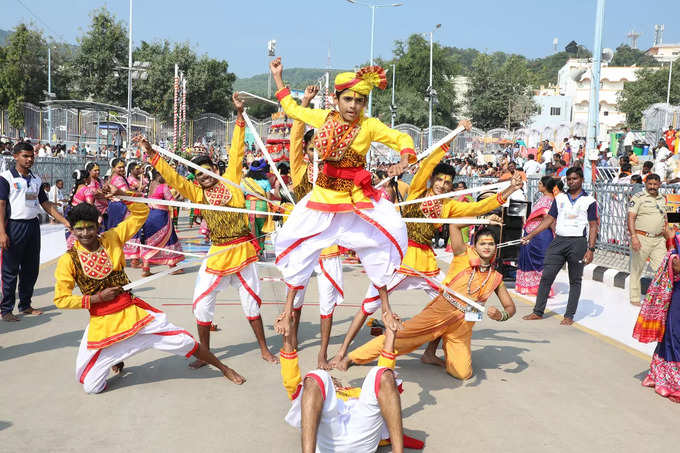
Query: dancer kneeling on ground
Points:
[343, 208]
[337, 419]
[471, 274]
[121, 324]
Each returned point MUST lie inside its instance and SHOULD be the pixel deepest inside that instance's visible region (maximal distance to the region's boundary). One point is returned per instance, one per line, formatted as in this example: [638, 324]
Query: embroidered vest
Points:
[333, 141]
[306, 185]
[94, 271]
[422, 232]
[224, 226]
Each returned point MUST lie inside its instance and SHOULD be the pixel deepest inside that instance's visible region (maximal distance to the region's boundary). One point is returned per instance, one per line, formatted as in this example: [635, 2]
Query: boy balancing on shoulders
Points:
[472, 275]
[340, 419]
[121, 324]
[235, 267]
[343, 207]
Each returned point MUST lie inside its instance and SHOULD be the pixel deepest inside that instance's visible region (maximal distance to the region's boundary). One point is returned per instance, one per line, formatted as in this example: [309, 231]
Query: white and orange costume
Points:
[235, 267]
[420, 255]
[329, 267]
[351, 420]
[343, 208]
[123, 326]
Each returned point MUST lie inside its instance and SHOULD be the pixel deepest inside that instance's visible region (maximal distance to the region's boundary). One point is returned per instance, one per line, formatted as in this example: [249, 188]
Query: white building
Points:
[554, 109]
[664, 52]
[574, 80]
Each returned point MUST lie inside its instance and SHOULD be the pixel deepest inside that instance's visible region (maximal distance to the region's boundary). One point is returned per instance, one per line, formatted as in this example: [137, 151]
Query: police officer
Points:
[647, 225]
[21, 196]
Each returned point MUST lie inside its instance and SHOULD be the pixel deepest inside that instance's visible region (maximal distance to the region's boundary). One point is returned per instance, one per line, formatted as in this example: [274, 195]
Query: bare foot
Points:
[117, 368]
[343, 364]
[146, 272]
[269, 357]
[196, 364]
[532, 317]
[135, 264]
[333, 363]
[567, 322]
[432, 359]
[10, 317]
[322, 363]
[177, 272]
[234, 377]
[32, 311]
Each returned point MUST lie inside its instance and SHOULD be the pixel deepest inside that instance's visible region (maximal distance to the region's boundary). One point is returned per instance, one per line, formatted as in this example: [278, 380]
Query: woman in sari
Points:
[117, 210]
[659, 320]
[81, 193]
[158, 228]
[100, 201]
[530, 266]
[257, 181]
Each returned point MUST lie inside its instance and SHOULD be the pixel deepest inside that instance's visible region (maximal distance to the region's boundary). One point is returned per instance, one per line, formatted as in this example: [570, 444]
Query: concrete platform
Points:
[538, 386]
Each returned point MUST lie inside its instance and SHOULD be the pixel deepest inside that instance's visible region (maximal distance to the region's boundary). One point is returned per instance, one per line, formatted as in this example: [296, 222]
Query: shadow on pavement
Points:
[67, 339]
[4, 424]
[28, 321]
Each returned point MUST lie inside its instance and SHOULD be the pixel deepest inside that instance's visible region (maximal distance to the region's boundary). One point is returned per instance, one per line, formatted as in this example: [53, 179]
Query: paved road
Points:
[538, 387]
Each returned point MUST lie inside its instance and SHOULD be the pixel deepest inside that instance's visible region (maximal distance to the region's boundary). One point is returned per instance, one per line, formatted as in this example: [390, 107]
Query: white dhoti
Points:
[329, 280]
[400, 282]
[377, 235]
[208, 285]
[93, 365]
[355, 425]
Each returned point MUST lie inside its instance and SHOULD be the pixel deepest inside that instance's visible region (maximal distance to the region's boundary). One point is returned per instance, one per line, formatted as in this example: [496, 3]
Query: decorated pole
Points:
[184, 113]
[175, 112]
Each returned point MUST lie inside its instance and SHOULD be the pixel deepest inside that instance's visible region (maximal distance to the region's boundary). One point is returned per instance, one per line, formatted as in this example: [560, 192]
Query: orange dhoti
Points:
[438, 319]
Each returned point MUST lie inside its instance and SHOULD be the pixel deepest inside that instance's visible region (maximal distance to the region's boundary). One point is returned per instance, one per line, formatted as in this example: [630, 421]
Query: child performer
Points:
[329, 267]
[235, 267]
[343, 207]
[121, 324]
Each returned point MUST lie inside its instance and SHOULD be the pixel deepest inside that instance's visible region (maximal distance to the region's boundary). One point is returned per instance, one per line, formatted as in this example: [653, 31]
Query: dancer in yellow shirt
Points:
[121, 324]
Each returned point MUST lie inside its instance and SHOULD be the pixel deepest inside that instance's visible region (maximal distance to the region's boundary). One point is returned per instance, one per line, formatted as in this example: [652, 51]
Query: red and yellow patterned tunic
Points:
[227, 229]
[343, 184]
[419, 254]
[121, 318]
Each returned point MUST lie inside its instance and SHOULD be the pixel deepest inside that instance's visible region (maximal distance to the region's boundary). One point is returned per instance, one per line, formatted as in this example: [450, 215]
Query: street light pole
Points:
[129, 106]
[430, 91]
[594, 104]
[668, 91]
[49, 92]
[373, 6]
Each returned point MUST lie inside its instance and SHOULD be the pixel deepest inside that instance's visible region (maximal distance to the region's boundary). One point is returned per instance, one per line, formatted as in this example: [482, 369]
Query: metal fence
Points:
[613, 241]
[83, 127]
[52, 168]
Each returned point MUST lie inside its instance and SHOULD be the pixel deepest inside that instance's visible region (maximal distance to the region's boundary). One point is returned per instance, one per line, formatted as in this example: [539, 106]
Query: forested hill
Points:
[297, 78]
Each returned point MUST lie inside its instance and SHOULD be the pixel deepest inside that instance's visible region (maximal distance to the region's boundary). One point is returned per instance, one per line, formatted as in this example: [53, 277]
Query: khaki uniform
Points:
[651, 219]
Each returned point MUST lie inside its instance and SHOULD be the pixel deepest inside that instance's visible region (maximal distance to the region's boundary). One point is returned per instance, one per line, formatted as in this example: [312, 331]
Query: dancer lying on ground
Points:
[338, 419]
[471, 274]
[121, 324]
[419, 255]
[343, 207]
[227, 229]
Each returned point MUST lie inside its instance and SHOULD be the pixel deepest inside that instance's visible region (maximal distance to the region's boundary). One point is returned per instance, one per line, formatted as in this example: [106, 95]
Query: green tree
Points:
[627, 56]
[649, 88]
[210, 86]
[412, 59]
[23, 72]
[103, 47]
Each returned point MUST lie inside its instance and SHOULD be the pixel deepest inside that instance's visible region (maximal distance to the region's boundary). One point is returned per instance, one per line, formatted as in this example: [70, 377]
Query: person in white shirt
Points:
[531, 167]
[628, 141]
[56, 195]
[660, 164]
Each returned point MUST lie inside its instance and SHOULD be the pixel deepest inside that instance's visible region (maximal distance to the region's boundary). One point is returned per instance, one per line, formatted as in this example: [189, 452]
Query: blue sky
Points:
[238, 31]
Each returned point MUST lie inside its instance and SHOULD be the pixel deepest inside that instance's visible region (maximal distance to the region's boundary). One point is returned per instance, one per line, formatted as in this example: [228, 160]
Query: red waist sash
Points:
[249, 238]
[412, 243]
[358, 175]
[121, 302]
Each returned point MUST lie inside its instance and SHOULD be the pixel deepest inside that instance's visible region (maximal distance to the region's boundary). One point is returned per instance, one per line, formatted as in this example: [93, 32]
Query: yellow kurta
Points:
[370, 130]
[108, 329]
[226, 229]
[298, 173]
[292, 379]
[424, 260]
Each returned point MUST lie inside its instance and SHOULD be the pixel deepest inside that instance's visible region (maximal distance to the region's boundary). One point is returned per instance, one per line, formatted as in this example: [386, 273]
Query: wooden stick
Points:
[496, 185]
[187, 204]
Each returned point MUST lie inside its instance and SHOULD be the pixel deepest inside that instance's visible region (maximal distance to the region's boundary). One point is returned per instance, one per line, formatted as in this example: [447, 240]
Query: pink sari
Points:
[160, 232]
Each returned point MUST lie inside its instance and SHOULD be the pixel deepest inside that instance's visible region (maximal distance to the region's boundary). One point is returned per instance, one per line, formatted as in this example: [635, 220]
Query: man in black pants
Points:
[21, 196]
[573, 213]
